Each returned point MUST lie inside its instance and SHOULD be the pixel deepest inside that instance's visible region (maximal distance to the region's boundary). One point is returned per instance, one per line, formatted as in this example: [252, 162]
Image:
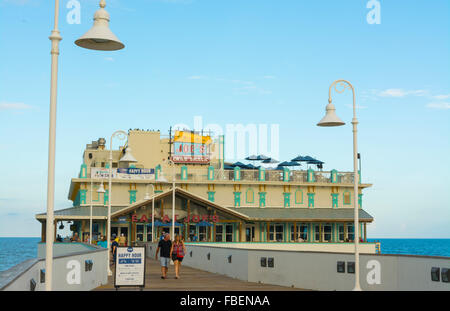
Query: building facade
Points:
[211, 201]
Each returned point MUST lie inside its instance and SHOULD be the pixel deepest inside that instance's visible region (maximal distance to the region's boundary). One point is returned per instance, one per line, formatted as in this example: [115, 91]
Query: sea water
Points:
[15, 250]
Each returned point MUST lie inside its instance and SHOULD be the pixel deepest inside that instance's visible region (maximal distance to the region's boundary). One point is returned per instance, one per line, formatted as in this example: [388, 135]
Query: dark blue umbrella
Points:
[228, 167]
[298, 159]
[270, 161]
[285, 163]
[262, 157]
[252, 158]
[251, 166]
[308, 158]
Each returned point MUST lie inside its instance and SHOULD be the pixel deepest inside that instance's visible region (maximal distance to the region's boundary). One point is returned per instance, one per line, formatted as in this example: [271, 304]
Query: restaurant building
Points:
[214, 201]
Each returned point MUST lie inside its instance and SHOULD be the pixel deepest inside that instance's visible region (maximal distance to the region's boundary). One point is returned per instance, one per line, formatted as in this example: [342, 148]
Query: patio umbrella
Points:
[239, 164]
[298, 158]
[251, 166]
[270, 161]
[252, 158]
[262, 157]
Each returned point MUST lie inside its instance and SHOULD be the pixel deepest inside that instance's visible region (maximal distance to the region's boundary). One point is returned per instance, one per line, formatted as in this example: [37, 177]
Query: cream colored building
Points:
[213, 203]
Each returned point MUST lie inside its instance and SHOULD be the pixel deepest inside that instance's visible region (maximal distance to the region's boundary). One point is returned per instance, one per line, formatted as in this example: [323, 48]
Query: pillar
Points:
[365, 232]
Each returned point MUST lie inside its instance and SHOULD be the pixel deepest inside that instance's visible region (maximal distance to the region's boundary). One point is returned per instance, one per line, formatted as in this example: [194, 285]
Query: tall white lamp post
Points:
[99, 190]
[128, 157]
[98, 38]
[331, 119]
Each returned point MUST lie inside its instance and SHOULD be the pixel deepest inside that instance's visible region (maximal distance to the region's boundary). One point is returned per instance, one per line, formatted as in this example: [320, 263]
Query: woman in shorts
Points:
[177, 254]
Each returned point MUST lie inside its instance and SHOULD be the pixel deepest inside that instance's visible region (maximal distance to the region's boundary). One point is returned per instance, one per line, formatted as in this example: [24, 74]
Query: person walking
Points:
[177, 252]
[164, 245]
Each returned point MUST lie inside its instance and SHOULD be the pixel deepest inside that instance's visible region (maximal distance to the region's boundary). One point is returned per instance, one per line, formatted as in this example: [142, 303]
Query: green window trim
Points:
[106, 197]
[211, 172]
[184, 172]
[286, 174]
[83, 196]
[252, 193]
[310, 176]
[262, 199]
[83, 171]
[360, 200]
[211, 195]
[132, 196]
[334, 200]
[334, 175]
[287, 199]
[297, 192]
[261, 174]
[311, 199]
[237, 199]
[237, 173]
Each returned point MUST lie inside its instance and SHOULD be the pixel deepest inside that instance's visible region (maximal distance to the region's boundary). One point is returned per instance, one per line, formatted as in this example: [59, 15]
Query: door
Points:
[250, 233]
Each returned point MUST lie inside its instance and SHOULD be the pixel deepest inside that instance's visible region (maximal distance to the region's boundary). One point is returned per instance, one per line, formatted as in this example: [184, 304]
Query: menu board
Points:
[130, 267]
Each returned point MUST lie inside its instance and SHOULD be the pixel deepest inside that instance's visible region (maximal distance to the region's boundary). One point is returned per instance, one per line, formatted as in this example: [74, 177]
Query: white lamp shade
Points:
[128, 157]
[330, 119]
[100, 37]
[161, 178]
[101, 189]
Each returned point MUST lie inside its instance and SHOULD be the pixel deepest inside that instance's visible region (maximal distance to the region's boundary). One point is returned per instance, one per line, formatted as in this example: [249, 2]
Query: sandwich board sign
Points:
[130, 267]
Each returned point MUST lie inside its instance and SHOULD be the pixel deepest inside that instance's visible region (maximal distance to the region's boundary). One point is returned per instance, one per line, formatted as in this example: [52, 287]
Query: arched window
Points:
[347, 198]
[298, 196]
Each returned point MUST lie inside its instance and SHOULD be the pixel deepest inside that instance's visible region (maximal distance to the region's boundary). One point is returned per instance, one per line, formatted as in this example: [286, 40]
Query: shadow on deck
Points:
[193, 280]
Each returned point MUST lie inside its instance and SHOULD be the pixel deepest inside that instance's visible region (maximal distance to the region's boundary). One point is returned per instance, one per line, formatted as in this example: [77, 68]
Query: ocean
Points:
[15, 250]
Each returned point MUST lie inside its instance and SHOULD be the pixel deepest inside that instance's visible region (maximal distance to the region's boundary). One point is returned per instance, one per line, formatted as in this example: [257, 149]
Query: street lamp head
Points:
[330, 119]
[128, 157]
[161, 179]
[101, 189]
[100, 37]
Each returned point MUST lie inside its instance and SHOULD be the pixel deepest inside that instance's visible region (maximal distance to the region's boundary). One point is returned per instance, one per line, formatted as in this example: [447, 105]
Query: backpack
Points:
[180, 250]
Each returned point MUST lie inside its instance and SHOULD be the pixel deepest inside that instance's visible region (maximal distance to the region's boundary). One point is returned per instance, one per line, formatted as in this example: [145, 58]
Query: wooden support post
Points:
[268, 231]
[43, 229]
[320, 232]
[295, 232]
[365, 232]
[188, 215]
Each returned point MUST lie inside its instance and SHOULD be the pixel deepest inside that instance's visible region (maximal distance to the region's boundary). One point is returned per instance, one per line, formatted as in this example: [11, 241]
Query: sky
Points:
[236, 62]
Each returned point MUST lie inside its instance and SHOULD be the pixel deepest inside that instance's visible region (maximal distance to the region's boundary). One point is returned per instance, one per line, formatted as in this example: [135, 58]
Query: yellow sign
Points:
[189, 137]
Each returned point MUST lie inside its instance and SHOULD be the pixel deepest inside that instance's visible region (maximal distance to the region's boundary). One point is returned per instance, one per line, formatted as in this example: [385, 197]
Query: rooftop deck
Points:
[192, 280]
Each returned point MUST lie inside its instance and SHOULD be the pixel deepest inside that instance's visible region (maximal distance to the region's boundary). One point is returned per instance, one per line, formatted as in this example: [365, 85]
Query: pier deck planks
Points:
[192, 279]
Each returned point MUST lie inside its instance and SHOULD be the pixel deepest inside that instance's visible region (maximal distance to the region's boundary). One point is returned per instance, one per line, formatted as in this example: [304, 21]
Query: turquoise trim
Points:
[106, 197]
[83, 171]
[211, 172]
[157, 171]
[310, 177]
[311, 199]
[287, 199]
[132, 166]
[334, 175]
[211, 195]
[237, 173]
[83, 196]
[359, 175]
[237, 199]
[184, 172]
[360, 200]
[334, 199]
[261, 174]
[286, 174]
[132, 196]
[249, 191]
[262, 199]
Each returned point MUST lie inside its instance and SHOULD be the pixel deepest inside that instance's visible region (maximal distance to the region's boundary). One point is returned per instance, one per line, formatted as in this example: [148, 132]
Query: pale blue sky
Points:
[262, 62]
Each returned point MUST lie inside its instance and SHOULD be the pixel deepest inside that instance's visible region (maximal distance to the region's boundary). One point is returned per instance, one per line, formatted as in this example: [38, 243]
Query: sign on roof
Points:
[123, 173]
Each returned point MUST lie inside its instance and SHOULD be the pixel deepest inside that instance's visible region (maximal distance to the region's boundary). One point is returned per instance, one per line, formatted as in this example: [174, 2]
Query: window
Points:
[347, 199]
[192, 232]
[276, 233]
[327, 232]
[298, 196]
[219, 233]
[140, 233]
[350, 231]
[302, 233]
[317, 233]
[229, 233]
[341, 233]
[202, 234]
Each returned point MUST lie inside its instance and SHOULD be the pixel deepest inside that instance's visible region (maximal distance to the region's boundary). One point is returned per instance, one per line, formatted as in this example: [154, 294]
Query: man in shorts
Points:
[164, 245]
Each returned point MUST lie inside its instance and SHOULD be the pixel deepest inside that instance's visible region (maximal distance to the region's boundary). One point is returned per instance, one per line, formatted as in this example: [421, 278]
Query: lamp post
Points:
[147, 197]
[331, 119]
[99, 38]
[126, 158]
[99, 190]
